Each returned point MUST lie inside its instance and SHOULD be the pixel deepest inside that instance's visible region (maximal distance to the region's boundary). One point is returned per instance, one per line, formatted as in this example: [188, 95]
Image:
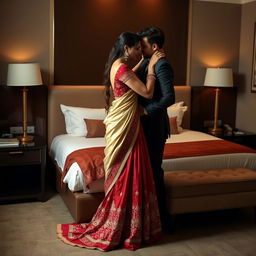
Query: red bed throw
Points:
[90, 160]
[203, 148]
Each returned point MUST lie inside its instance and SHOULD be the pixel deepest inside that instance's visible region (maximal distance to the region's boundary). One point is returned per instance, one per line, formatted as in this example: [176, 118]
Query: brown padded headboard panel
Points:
[91, 96]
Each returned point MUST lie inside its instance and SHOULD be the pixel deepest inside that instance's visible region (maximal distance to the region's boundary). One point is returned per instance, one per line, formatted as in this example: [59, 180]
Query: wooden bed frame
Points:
[82, 206]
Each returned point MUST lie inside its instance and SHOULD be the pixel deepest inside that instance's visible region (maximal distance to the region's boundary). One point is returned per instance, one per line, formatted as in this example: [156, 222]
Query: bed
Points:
[81, 198]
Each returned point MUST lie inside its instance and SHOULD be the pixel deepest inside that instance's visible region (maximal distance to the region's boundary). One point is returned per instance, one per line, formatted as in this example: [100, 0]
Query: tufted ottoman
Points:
[206, 190]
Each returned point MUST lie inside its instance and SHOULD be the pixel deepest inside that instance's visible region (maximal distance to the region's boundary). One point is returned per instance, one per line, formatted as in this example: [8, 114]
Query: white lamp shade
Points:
[24, 74]
[219, 77]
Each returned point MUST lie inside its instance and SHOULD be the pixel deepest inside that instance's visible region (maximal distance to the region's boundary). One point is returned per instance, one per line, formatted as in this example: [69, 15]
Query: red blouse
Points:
[123, 74]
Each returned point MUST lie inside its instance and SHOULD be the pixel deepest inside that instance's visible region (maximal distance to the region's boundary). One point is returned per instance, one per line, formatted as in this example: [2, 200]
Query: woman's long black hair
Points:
[126, 38]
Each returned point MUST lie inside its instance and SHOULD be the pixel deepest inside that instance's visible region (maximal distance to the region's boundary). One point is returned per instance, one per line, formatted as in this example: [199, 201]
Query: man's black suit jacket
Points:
[157, 119]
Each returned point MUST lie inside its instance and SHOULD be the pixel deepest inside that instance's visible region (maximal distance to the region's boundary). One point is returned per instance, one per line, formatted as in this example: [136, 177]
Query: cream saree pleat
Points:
[122, 126]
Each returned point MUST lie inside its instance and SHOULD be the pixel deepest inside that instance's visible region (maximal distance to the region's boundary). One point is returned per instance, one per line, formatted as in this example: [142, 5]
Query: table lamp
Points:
[218, 77]
[24, 74]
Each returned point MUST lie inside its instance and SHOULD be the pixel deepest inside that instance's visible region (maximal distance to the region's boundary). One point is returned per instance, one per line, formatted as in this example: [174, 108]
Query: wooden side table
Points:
[22, 170]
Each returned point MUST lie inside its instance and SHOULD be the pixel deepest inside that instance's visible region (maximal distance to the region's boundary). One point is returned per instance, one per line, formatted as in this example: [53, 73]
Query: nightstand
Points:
[241, 137]
[22, 170]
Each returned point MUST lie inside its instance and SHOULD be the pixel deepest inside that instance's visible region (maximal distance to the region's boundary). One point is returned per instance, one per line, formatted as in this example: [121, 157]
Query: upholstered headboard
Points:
[91, 96]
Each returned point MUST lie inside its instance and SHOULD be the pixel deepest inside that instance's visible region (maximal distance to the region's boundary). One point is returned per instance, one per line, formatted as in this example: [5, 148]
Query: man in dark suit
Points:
[155, 122]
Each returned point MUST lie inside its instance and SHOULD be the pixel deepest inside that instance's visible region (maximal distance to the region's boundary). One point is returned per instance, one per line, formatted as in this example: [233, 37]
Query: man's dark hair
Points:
[154, 35]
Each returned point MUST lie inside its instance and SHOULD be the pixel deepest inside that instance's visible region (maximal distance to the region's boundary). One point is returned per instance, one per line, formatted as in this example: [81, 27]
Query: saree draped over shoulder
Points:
[122, 127]
[128, 215]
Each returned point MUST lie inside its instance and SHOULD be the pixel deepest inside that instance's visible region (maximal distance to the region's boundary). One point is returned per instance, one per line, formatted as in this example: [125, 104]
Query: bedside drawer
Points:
[16, 157]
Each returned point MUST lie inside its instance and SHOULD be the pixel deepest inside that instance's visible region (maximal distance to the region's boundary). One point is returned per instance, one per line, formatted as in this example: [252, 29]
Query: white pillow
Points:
[74, 118]
[177, 109]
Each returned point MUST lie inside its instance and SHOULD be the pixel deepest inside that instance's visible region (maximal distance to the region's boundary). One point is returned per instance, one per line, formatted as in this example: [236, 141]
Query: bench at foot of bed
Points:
[186, 192]
[207, 190]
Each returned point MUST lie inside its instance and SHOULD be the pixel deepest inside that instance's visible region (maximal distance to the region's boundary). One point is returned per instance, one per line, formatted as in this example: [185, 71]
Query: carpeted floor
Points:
[28, 229]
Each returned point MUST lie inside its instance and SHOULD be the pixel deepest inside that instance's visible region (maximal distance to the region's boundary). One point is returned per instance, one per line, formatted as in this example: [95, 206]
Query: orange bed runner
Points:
[203, 148]
[90, 160]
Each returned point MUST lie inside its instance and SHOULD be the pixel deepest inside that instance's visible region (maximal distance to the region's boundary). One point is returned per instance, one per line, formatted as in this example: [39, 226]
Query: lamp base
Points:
[26, 139]
[215, 131]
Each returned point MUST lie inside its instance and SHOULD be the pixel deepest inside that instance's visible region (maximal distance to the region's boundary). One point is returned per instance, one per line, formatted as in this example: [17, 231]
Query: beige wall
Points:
[214, 39]
[246, 101]
[222, 35]
[24, 37]
[24, 30]
[215, 36]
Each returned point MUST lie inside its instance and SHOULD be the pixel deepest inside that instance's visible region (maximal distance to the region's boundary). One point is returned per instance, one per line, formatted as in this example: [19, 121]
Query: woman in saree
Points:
[128, 216]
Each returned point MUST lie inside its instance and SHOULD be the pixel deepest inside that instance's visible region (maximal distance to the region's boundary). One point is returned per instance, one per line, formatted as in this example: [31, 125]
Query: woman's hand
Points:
[154, 59]
[137, 66]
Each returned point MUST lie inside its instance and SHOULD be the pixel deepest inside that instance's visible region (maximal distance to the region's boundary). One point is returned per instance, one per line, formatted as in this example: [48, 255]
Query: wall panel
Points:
[86, 30]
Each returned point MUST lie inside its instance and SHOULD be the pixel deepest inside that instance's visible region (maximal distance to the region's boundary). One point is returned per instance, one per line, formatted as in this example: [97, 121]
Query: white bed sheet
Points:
[63, 145]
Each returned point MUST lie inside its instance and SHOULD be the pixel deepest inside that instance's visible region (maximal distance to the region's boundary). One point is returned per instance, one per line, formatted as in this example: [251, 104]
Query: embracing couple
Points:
[133, 211]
